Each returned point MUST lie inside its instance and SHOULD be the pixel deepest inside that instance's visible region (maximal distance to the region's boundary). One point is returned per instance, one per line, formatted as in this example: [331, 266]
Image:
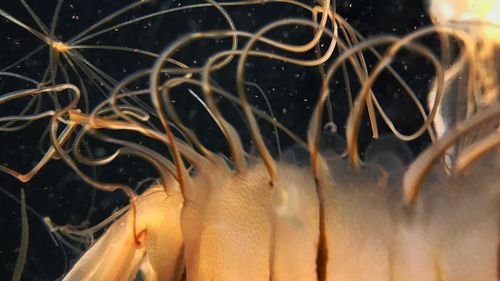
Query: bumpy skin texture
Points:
[358, 224]
[226, 225]
[236, 226]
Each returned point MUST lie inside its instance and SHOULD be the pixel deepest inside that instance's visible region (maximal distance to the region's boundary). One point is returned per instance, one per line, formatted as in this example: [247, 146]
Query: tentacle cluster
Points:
[329, 216]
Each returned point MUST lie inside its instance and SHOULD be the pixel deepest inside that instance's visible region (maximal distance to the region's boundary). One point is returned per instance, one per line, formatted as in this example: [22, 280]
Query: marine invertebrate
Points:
[321, 218]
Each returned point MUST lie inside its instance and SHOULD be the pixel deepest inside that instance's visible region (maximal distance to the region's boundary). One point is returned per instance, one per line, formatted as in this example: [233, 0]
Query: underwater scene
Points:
[250, 140]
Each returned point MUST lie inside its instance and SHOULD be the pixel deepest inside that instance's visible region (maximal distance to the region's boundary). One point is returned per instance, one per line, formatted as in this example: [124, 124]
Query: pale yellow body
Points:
[270, 220]
[238, 227]
[117, 256]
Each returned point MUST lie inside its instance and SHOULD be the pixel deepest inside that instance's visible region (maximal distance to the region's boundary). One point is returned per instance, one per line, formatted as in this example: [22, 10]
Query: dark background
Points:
[61, 195]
